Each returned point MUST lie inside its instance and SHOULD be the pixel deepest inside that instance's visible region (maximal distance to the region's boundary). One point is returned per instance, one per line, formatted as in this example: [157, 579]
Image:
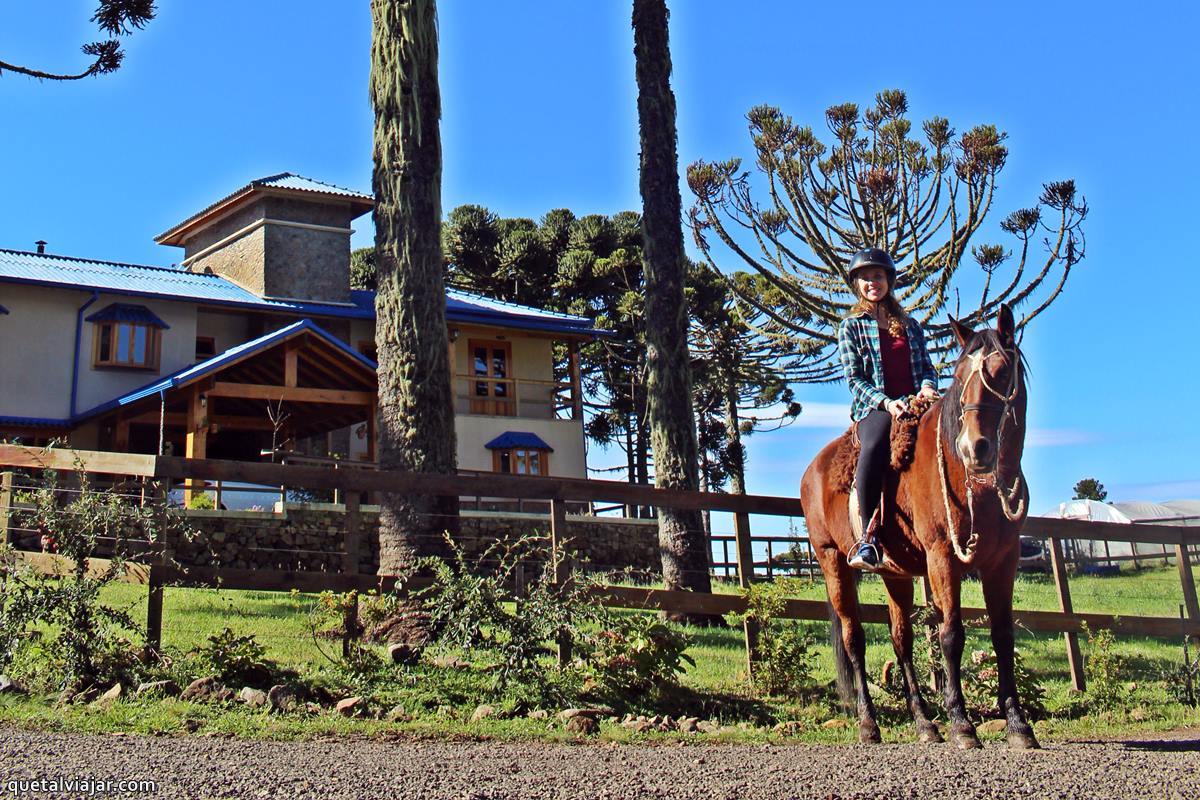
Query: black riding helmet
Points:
[873, 257]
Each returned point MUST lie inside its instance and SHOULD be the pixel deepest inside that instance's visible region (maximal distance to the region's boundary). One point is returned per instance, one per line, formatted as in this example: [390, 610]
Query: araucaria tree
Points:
[415, 406]
[114, 17]
[923, 197]
[681, 538]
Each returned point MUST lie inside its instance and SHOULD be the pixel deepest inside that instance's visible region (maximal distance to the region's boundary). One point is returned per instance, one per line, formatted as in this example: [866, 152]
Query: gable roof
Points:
[227, 359]
[128, 312]
[510, 440]
[285, 183]
[168, 283]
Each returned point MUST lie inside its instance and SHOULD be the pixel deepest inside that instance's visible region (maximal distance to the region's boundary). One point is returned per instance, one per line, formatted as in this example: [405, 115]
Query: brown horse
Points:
[959, 507]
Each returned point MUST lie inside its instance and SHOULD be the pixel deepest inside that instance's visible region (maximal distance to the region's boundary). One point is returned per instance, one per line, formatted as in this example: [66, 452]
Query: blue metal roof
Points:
[138, 280]
[290, 180]
[127, 312]
[286, 181]
[518, 440]
[216, 363]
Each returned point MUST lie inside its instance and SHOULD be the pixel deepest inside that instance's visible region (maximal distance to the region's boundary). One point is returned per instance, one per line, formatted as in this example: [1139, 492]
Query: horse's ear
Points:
[1005, 325]
[961, 332]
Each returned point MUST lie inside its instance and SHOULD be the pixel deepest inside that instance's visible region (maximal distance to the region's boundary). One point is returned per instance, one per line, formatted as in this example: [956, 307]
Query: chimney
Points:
[41, 245]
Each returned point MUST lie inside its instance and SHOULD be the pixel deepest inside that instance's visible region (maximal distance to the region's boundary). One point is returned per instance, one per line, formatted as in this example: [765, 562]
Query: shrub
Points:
[202, 502]
[236, 660]
[634, 658]
[1104, 671]
[87, 643]
[981, 685]
[785, 658]
[470, 607]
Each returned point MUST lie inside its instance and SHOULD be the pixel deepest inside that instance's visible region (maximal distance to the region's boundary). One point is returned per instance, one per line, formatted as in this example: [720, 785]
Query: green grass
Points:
[282, 624]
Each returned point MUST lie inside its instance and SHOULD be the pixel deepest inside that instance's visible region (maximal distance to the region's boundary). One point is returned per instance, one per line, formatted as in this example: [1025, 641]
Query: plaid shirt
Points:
[862, 363]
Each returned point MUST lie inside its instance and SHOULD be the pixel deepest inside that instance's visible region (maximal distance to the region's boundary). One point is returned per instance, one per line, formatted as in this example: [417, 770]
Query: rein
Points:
[966, 554]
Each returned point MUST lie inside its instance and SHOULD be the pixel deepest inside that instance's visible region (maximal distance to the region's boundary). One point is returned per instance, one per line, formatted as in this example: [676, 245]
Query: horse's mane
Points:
[951, 410]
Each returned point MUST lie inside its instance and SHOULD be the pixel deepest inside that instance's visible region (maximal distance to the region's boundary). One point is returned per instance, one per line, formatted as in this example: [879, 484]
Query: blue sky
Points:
[539, 112]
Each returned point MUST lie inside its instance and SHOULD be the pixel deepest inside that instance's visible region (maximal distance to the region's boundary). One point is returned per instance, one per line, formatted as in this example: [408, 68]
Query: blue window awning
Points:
[128, 313]
[518, 440]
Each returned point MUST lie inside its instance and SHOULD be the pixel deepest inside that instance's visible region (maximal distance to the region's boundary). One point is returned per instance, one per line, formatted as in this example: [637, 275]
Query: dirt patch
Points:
[209, 767]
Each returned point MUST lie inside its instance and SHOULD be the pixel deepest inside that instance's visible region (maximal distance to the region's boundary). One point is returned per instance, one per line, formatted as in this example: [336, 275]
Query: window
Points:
[127, 344]
[206, 348]
[521, 461]
[493, 390]
[127, 336]
[368, 349]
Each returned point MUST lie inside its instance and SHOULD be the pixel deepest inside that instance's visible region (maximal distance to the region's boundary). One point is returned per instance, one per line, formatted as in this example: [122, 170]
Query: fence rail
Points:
[160, 572]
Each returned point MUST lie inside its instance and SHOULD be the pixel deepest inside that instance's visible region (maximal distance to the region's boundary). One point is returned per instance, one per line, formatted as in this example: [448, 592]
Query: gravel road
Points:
[200, 767]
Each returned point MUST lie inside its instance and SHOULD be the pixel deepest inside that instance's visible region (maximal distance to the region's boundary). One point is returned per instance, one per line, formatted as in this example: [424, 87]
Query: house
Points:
[257, 343]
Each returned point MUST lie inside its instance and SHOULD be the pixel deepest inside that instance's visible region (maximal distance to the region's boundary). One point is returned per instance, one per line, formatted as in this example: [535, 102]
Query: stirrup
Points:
[867, 556]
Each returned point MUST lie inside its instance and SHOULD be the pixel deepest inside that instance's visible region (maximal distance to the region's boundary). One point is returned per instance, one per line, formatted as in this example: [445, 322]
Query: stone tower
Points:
[284, 237]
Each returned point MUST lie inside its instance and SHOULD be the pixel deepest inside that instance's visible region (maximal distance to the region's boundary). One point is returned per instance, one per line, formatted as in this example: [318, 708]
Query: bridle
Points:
[1003, 403]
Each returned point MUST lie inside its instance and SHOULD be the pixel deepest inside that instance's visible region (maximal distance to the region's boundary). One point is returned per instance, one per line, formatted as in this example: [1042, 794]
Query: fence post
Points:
[353, 526]
[745, 562]
[6, 500]
[1074, 657]
[562, 567]
[1186, 578]
[154, 610]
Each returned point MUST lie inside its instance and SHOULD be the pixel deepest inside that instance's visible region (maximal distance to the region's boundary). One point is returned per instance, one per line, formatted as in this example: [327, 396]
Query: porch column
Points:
[197, 440]
[372, 410]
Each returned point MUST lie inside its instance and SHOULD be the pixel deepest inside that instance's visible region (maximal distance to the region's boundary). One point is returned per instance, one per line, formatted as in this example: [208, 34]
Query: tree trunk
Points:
[737, 455]
[415, 407]
[673, 429]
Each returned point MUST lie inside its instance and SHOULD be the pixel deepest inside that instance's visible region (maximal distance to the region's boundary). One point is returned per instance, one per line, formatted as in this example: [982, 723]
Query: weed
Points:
[1104, 669]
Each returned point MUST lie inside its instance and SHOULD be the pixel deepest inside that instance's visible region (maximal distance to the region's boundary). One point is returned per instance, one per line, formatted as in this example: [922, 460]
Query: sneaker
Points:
[866, 555]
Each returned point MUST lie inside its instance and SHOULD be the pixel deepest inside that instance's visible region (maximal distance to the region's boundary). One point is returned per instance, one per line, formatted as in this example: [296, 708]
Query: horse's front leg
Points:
[998, 594]
[843, 597]
[900, 606]
[944, 581]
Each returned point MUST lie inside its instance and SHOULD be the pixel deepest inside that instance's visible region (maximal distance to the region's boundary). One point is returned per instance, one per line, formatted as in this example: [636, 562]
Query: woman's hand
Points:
[897, 408]
[930, 392]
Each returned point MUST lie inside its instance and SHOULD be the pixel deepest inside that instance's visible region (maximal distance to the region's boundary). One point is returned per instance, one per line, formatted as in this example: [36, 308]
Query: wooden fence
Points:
[160, 571]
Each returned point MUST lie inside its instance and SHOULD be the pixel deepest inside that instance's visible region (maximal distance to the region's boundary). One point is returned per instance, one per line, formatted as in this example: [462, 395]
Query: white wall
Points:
[37, 343]
[228, 329]
[566, 437]
[97, 386]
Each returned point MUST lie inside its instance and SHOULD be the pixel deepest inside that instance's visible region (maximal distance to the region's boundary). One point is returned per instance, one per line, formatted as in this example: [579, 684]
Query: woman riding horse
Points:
[958, 507]
[884, 358]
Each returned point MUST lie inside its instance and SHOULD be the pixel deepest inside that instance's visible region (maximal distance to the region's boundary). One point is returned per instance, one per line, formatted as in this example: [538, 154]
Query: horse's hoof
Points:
[1023, 740]
[928, 734]
[965, 739]
[868, 733]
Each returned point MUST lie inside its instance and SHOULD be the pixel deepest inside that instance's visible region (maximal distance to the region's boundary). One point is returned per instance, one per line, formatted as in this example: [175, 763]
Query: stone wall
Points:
[310, 537]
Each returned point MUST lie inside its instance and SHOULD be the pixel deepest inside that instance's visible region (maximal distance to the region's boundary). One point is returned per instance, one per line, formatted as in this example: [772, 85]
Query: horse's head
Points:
[985, 405]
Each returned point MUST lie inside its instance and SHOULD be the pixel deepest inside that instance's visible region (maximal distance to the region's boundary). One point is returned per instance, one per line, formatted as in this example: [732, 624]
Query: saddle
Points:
[903, 445]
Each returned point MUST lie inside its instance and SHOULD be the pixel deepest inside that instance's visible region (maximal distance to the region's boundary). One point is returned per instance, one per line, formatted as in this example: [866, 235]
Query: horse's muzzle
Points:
[979, 456]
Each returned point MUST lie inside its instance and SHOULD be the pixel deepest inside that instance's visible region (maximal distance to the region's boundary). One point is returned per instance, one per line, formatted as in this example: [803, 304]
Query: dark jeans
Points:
[874, 434]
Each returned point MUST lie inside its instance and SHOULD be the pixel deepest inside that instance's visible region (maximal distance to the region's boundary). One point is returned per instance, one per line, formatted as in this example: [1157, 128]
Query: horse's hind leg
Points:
[944, 582]
[997, 594]
[843, 597]
[900, 606]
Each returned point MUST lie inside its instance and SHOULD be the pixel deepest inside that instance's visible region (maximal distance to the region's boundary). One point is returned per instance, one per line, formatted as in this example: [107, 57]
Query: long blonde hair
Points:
[895, 313]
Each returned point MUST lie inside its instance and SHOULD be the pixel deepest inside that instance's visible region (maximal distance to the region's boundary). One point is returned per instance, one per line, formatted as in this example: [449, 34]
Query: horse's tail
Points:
[841, 661]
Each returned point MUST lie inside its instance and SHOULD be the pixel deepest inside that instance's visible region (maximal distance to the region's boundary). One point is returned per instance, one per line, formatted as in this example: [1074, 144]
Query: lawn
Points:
[281, 622]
